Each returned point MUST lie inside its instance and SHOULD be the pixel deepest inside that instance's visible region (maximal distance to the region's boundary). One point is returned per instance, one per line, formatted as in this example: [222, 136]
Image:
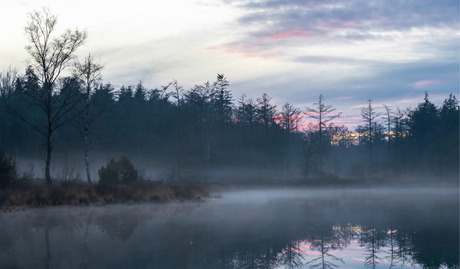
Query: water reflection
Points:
[288, 229]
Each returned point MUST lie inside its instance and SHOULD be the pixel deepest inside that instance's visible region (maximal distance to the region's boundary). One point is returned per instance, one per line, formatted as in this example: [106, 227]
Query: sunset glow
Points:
[294, 51]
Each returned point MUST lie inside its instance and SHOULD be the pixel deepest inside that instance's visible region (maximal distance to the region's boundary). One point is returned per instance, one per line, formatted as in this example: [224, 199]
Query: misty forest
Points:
[189, 134]
[70, 138]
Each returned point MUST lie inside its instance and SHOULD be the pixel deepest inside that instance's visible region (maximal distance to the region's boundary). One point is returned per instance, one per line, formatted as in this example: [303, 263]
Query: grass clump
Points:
[83, 194]
[116, 172]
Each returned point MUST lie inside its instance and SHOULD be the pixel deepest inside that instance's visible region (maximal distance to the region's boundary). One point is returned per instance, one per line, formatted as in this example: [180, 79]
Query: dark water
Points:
[411, 228]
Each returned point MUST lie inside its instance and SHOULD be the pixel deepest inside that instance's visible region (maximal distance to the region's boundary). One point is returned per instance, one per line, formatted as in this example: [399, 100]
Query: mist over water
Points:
[359, 228]
[70, 137]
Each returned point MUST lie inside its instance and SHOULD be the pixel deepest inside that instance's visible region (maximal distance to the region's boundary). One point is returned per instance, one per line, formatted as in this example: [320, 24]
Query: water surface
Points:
[401, 228]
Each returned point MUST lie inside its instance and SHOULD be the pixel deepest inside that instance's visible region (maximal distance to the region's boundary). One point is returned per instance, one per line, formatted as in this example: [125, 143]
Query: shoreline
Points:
[30, 196]
[83, 194]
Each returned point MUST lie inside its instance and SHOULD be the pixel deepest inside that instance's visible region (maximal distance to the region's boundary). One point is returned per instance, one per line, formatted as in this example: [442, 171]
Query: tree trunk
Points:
[48, 248]
[208, 153]
[49, 148]
[88, 174]
[85, 137]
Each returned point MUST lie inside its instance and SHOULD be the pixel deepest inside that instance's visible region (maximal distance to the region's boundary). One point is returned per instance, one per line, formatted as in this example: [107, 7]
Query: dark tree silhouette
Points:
[265, 113]
[449, 129]
[222, 100]
[7, 171]
[400, 135]
[292, 256]
[322, 114]
[180, 133]
[424, 122]
[7, 82]
[388, 133]
[245, 115]
[289, 121]
[198, 102]
[88, 73]
[323, 240]
[369, 115]
[51, 56]
[310, 148]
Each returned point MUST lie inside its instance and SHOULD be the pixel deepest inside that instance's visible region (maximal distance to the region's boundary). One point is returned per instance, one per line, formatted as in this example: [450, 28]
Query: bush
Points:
[115, 172]
[7, 171]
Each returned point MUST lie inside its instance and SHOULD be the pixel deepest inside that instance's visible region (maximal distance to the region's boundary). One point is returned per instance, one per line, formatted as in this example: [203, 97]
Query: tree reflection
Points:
[404, 251]
[372, 240]
[85, 259]
[278, 237]
[115, 225]
[324, 238]
[292, 257]
[48, 247]
[392, 245]
[326, 260]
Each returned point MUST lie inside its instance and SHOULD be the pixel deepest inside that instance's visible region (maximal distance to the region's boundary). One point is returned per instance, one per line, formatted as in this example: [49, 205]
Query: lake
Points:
[352, 228]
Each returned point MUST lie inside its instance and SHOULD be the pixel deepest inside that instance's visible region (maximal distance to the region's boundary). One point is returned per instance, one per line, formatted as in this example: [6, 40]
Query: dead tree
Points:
[88, 73]
[389, 136]
[50, 55]
[322, 113]
[369, 115]
[289, 121]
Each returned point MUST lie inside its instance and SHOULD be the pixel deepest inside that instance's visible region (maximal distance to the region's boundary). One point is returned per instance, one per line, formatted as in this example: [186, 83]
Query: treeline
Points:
[198, 131]
[191, 132]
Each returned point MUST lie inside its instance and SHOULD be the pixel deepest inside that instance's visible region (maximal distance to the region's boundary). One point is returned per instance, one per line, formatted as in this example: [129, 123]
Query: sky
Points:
[389, 51]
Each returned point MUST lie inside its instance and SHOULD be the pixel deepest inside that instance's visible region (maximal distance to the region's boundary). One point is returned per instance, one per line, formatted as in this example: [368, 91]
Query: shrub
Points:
[7, 171]
[115, 172]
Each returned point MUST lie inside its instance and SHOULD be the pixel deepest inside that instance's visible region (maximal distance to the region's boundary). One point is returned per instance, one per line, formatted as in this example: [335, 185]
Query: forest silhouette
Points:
[190, 134]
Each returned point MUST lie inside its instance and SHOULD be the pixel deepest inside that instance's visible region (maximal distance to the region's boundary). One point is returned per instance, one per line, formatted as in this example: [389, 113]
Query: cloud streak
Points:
[335, 22]
[290, 34]
[294, 50]
[424, 83]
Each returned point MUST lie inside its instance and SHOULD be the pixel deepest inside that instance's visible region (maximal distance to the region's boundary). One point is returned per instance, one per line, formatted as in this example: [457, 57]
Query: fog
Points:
[72, 138]
[289, 228]
[185, 134]
[70, 166]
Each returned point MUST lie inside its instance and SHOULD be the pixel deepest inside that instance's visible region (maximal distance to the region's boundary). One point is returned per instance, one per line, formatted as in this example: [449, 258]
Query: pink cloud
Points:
[423, 83]
[344, 98]
[330, 29]
[290, 34]
[352, 23]
[248, 51]
[360, 105]
[310, 252]
[410, 100]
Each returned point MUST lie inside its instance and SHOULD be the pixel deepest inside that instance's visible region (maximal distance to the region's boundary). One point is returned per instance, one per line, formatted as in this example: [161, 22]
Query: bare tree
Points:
[368, 114]
[309, 149]
[322, 113]
[389, 137]
[51, 55]
[180, 122]
[88, 73]
[245, 113]
[7, 82]
[290, 120]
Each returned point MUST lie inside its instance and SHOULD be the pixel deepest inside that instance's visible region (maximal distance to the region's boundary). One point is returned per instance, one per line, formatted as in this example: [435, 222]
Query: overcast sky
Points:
[390, 51]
